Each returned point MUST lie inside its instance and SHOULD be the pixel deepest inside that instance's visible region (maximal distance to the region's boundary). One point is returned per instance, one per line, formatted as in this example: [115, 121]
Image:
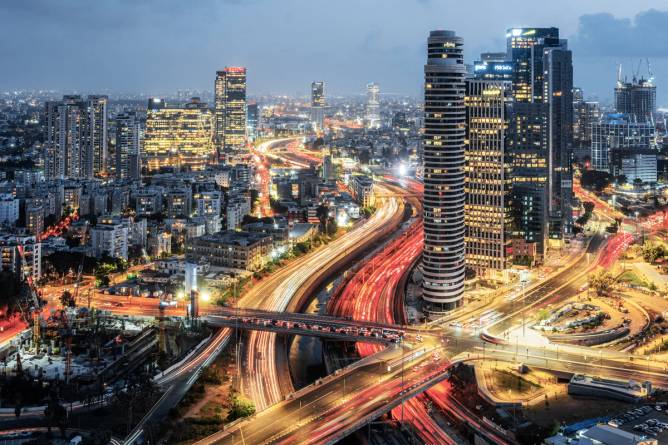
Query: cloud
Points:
[603, 35]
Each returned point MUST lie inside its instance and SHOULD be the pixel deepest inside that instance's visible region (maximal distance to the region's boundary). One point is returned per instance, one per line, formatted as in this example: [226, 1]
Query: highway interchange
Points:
[390, 375]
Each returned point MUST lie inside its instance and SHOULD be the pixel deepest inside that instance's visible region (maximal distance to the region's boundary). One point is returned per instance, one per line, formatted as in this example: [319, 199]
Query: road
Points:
[261, 380]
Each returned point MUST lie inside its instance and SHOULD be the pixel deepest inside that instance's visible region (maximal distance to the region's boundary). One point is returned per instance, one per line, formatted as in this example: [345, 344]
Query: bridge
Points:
[306, 324]
[320, 412]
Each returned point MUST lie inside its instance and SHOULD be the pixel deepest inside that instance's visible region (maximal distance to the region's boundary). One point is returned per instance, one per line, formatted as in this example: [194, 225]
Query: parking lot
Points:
[648, 420]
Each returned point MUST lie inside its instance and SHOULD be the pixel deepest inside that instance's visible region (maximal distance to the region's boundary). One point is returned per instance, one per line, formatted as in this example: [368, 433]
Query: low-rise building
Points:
[362, 188]
[626, 391]
[21, 255]
[231, 249]
[237, 207]
[9, 209]
[110, 239]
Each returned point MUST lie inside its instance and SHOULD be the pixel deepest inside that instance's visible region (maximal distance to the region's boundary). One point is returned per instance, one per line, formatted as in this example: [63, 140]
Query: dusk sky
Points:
[158, 46]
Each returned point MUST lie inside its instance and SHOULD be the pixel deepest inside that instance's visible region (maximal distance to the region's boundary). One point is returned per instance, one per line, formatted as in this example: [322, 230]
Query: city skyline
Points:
[125, 51]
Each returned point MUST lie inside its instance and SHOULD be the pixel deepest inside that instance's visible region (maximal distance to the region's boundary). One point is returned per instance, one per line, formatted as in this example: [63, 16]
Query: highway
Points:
[293, 285]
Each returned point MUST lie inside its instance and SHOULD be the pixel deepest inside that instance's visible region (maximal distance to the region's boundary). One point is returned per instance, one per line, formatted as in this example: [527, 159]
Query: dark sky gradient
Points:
[158, 46]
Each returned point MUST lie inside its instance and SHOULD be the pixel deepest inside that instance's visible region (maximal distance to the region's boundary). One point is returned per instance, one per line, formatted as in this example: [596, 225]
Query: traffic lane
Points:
[574, 363]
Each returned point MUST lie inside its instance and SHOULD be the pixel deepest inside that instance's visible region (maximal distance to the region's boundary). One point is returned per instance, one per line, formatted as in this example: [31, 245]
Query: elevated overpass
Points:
[306, 324]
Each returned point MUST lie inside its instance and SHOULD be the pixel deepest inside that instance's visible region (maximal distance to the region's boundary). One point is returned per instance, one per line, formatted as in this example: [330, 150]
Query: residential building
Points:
[35, 217]
[21, 255]
[444, 176]
[76, 137]
[362, 188]
[109, 239]
[208, 203]
[9, 209]
[128, 146]
[231, 249]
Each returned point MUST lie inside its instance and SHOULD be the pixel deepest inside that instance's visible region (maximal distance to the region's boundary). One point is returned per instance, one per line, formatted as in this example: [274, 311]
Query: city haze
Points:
[162, 46]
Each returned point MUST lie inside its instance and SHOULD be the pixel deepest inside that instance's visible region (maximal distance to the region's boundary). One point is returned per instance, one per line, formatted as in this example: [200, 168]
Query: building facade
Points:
[444, 176]
[541, 134]
[231, 249]
[619, 132]
[636, 99]
[487, 213]
[318, 104]
[76, 137]
[230, 109]
[128, 146]
[177, 137]
[21, 255]
[372, 105]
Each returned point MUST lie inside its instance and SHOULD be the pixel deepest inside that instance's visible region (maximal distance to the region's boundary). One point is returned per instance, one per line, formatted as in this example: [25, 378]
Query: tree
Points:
[652, 252]
[588, 206]
[241, 407]
[102, 273]
[622, 179]
[601, 282]
[594, 179]
[67, 299]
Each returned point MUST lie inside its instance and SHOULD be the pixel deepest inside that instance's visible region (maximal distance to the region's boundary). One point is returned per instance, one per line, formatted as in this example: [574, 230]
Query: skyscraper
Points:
[619, 132]
[97, 115]
[318, 104]
[488, 173]
[558, 83]
[372, 105]
[128, 146]
[230, 109]
[76, 137]
[445, 122]
[585, 114]
[177, 137]
[252, 120]
[541, 134]
[636, 98]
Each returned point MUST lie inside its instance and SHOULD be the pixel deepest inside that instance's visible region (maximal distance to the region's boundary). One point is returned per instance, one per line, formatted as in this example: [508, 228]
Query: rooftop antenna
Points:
[619, 74]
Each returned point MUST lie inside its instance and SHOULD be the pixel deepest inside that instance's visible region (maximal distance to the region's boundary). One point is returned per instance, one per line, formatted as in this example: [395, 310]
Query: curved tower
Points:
[444, 133]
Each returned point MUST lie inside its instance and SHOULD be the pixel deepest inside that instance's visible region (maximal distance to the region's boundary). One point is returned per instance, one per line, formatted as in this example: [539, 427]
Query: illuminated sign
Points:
[480, 67]
[503, 68]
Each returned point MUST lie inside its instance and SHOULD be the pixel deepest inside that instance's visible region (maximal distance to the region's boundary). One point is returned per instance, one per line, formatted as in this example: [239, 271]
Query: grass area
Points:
[506, 381]
[632, 278]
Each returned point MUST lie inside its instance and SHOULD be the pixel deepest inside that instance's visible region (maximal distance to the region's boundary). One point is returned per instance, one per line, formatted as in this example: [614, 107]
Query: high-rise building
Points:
[252, 120]
[76, 137]
[372, 105]
[585, 114]
[128, 146]
[230, 109]
[97, 115]
[636, 98]
[443, 140]
[177, 137]
[318, 104]
[488, 178]
[541, 134]
[619, 133]
[558, 96]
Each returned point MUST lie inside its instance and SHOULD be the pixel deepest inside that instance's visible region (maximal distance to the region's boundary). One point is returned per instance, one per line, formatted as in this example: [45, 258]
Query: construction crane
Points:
[77, 280]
